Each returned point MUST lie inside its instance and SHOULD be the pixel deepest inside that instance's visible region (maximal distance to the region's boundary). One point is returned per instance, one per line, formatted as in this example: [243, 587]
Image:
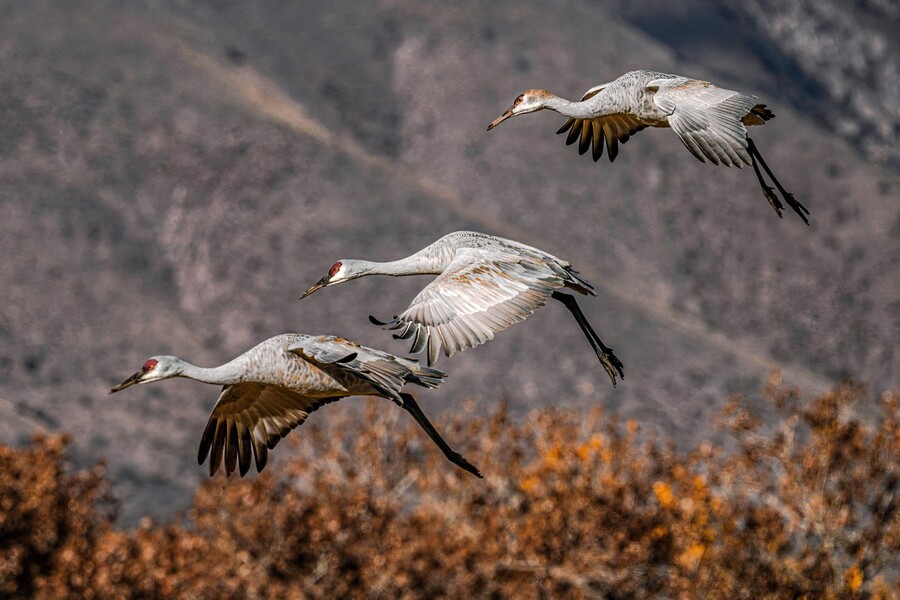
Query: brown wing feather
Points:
[610, 130]
[758, 115]
[249, 420]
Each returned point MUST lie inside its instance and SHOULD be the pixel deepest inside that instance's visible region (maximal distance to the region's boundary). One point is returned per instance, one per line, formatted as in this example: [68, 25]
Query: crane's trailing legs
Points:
[610, 361]
[768, 191]
[412, 407]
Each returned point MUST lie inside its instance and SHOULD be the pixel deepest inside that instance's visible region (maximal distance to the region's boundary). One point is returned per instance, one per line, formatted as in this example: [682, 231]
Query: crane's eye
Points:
[149, 365]
[334, 269]
[519, 100]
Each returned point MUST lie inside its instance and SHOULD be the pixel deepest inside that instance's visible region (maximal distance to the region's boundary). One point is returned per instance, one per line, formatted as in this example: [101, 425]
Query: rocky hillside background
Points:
[175, 174]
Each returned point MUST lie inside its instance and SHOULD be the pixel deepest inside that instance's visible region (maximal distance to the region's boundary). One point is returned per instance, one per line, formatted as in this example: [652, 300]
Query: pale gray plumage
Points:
[484, 285]
[710, 121]
[273, 387]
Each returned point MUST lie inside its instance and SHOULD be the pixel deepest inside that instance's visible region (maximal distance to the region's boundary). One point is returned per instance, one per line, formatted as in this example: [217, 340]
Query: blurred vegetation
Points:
[570, 507]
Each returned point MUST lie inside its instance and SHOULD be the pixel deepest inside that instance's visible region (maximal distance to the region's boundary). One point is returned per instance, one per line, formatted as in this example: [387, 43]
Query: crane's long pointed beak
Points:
[128, 382]
[318, 285]
[501, 118]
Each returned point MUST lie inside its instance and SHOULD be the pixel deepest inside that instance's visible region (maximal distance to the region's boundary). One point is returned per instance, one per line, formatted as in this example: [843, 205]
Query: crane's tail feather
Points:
[419, 374]
[758, 115]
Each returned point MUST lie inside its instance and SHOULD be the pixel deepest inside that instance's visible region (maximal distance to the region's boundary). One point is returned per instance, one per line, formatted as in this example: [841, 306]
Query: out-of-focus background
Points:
[174, 174]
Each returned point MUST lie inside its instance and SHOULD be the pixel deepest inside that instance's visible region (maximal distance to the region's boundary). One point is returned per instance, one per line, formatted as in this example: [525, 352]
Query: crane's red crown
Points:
[518, 100]
[149, 365]
[334, 269]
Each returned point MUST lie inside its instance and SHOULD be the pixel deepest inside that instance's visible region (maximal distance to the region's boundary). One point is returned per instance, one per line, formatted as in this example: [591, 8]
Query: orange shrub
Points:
[569, 507]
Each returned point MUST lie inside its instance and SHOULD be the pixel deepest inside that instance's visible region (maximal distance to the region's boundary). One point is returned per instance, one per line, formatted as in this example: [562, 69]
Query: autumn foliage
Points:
[570, 507]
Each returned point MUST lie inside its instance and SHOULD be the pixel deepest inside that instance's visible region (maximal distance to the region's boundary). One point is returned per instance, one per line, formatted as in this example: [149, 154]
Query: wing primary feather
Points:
[566, 126]
[598, 140]
[245, 450]
[587, 131]
[575, 132]
[231, 448]
[260, 451]
[215, 459]
[209, 434]
[612, 144]
[375, 321]
[419, 342]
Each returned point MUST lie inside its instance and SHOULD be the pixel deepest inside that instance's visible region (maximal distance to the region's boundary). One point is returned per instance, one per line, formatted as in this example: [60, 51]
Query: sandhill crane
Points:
[710, 121]
[484, 285]
[273, 387]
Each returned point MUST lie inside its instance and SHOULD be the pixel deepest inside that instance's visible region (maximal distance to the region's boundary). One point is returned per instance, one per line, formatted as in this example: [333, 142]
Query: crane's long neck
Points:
[230, 373]
[591, 108]
[417, 264]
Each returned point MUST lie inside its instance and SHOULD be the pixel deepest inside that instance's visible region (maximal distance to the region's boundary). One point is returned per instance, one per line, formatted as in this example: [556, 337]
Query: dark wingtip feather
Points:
[574, 134]
[763, 112]
[260, 454]
[586, 137]
[231, 449]
[206, 441]
[245, 452]
[347, 358]
[613, 151]
[215, 458]
[566, 126]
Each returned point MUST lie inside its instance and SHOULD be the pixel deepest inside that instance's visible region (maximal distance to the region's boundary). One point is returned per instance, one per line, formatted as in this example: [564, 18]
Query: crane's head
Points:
[341, 271]
[528, 101]
[156, 368]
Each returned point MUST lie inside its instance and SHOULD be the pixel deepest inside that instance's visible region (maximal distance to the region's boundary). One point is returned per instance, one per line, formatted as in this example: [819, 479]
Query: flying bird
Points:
[710, 121]
[273, 387]
[484, 285]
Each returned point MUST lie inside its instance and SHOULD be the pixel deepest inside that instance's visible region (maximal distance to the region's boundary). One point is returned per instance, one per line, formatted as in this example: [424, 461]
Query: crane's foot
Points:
[794, 204]
[774, 202]
[458, 460]
[769, 192]
[409, 403]
[611, 363]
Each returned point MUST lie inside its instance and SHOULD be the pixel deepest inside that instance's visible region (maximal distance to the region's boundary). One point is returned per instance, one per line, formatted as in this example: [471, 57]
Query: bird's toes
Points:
[466, 465]
[611, 371]
[796, 206]
[773, 200]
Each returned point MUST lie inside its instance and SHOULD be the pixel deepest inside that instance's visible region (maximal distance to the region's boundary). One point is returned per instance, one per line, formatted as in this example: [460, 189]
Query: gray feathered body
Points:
[273, 387]
[440, 254]
[710, 121]
[317, 366]
[485, 284]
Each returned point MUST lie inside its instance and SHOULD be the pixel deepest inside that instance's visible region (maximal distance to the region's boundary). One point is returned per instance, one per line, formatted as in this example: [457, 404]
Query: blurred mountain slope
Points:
[174, 175]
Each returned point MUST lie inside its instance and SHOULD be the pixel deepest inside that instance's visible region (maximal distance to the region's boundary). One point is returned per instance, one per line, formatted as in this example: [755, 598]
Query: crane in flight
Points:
[484, 285]
[273, 387]
[710, 121]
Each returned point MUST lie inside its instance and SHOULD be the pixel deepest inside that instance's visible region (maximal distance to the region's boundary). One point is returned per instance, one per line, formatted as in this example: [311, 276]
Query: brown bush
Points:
[570, 507]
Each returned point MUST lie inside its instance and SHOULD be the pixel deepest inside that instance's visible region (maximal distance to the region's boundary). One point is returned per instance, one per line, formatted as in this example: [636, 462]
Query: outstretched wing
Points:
[481, 292]
[384, 372]
[707, 118]
[593, 133]
[251, 418]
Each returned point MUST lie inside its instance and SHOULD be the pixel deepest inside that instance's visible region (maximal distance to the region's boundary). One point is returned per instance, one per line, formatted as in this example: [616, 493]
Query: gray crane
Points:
[710, 121]
[273, 387]
[484, 285]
